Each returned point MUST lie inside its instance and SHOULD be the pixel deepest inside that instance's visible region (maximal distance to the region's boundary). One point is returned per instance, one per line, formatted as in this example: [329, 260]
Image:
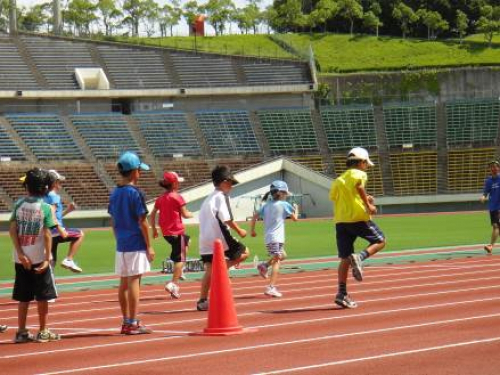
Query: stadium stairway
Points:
[23, 51]
[324, 150]
[137, 134]
[442, 152]
[383, 151]
[193, 123]
[97, 58]
[259, 133]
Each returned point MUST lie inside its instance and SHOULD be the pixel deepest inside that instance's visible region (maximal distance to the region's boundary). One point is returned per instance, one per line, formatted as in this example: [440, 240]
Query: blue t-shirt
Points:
[492, 190]
[54, 199]
[274, 214]
[126, 206]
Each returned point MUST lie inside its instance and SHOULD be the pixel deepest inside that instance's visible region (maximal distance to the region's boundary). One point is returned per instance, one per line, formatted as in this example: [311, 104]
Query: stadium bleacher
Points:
[15, 74]
[45, 135]
[258, 74]
[414, 173]
[467, 169]
[411, 124]
[8, 147]
[349, 126]
[289, 131]
[106, 134]
[472, 122]
[228, 132]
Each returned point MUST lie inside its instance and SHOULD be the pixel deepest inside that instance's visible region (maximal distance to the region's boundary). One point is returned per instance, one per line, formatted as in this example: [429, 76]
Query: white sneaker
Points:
[262, 267]
[273, 292]
[53, 300]
[182, 276]
[70, 265]
[173, 289]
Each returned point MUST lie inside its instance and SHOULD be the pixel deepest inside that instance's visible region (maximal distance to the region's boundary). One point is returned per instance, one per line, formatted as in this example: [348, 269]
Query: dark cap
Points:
[222, 173]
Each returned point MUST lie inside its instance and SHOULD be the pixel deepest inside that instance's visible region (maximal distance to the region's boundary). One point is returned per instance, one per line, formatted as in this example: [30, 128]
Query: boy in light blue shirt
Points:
[274, 213]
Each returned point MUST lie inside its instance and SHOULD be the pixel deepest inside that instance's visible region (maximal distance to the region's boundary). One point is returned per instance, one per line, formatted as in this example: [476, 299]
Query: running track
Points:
[429, 317]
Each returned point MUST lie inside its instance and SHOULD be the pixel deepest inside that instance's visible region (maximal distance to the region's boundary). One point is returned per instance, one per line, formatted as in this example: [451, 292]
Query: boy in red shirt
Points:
[172, 208]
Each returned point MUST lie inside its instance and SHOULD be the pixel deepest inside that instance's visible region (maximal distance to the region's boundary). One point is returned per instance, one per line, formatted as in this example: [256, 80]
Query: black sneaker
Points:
[343, 300]
[357, 267]
[202, 305]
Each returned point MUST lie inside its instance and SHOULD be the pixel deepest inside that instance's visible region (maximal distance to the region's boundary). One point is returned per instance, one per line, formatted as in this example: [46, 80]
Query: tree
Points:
[324, 11]
[352, 10]
[406, 16]
[134, 11]
[168, 17]
[289, 16]
[489, 22]
[32, 19]
[371, 21]
[270, 17]
[218, 13]
[151, 15]
[81, 14]
[4, 14]
[433, 21]
[109, 13]
[190, 11]
[462, 24]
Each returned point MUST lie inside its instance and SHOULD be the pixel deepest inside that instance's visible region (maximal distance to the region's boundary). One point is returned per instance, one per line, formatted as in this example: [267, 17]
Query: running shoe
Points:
[137, 329]
[262, 268]
[3, 328]
[202, 305]
[173, 289]
[24, 336]
[70, 265]
[46, 336]
[357, 267]
[343, 300]
[272, 291]
[124, 329]
[182, 276]
[488, 248]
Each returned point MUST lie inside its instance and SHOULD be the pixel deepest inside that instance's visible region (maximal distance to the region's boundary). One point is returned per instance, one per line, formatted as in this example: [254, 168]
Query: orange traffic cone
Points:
[222, 319]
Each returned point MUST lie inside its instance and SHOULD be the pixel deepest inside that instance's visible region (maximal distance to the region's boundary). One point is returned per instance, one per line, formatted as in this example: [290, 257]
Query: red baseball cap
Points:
[172, 177]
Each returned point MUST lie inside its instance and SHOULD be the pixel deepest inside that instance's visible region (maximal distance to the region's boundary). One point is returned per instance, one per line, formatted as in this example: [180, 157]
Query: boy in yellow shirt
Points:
[353, 208]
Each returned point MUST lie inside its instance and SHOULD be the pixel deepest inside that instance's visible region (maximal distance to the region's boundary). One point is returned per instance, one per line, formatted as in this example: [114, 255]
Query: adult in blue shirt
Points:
[491, 193]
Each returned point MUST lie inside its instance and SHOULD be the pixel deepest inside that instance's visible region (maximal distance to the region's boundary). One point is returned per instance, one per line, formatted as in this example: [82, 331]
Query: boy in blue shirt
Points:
[491, 193]
[133, 250]
[274, 213]
[61, 234]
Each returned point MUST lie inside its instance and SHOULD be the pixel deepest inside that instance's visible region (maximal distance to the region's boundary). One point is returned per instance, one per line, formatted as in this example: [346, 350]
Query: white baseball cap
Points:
[359, 153]
[56, 175]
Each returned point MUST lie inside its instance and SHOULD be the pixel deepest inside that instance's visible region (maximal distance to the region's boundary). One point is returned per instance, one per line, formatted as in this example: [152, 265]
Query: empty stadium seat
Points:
[106, 134]
[411, 124]
[168, 133]
[288, 131]
[468, 168]
[46, 136]
[414, 173]
[228, 132]
[349, 126]
[15, 74]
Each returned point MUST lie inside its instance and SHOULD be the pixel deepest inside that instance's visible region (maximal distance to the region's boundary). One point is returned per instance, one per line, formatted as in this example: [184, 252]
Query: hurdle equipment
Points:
[191, 265]
[222, 319]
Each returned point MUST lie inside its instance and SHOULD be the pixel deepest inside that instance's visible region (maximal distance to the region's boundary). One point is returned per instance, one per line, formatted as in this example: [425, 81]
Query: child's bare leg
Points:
[134, 291]
[205, 281]
[494, 234]
[73, 247]
[43, 312]
[375, 248]
[275, 270]
[343, 270]
[123, 297]
[178, 266]
[22, 315]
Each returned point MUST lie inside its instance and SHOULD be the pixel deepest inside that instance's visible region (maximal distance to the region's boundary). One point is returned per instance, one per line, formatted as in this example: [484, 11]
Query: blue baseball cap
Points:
[130, 161]
[280, 186]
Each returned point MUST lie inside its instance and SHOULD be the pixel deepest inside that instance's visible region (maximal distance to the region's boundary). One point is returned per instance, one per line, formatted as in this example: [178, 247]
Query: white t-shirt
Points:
[214, 212]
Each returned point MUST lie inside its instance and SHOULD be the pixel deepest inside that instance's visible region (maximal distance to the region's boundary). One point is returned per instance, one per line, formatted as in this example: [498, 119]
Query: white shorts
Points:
[131, 263]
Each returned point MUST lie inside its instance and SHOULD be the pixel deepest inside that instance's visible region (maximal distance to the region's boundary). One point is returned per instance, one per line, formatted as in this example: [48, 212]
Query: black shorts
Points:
[495, 217]
[73, 236]
[30, 286]
[235, 250]
[348, 232]
[179, 244]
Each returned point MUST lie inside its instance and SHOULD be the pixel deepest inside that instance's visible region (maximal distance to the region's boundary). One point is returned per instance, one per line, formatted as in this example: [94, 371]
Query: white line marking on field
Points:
[281, 343]
[381, 356]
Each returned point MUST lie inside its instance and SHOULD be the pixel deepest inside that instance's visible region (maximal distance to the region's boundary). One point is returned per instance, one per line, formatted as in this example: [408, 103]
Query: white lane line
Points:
[291, 323]
[381, 356]
[277, 344]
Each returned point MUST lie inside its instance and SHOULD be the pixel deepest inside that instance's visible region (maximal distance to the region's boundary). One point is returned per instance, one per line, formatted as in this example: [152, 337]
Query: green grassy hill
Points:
[340, 53]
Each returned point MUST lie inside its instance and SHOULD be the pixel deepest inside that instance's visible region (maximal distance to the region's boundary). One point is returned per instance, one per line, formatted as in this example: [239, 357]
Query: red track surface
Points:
[440, 317]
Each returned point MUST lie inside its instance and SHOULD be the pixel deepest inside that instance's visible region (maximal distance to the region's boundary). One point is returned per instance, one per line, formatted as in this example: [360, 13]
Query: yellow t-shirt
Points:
[348, 207]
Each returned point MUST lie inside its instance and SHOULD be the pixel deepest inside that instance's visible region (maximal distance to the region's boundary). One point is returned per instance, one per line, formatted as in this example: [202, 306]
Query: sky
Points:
[182, 29]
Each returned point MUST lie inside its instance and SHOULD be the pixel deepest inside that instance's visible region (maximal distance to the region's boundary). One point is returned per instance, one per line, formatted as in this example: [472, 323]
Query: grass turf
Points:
[304, 239]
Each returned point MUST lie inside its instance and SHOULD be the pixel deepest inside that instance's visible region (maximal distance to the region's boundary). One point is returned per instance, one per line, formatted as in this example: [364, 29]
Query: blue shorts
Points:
[348, 232]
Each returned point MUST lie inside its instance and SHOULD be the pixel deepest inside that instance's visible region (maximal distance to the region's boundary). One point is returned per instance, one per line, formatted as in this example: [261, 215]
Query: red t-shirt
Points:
[169, 205]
